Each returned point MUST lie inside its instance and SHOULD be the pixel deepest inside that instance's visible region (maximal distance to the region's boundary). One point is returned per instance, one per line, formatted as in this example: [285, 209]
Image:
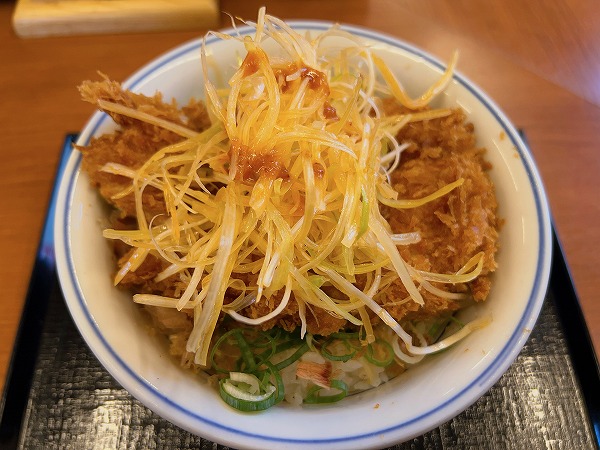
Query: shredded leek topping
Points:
[287, 184]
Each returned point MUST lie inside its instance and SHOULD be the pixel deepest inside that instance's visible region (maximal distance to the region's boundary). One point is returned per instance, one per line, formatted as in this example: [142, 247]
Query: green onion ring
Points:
[247, 360]
[217, 344]
[235, 398]
[369, 354]
[242, 400]
[344, 357]
[293, 358]
[350, 337]
[313, 397]
[279, 386]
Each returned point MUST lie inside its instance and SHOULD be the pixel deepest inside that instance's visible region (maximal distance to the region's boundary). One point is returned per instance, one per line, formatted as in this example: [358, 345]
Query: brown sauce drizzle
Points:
[252, 165]
[319, 170]
[329, 112]
[251, 63]
[317, 81]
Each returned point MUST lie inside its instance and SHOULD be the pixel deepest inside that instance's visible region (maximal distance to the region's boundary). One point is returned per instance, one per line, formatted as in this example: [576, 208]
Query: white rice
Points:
[358, 374]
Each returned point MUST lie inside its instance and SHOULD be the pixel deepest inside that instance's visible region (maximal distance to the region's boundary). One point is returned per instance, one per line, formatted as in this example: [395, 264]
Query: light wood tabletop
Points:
[539, 60]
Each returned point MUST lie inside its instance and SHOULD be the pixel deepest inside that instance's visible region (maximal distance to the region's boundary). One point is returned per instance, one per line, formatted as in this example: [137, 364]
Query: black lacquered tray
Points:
[57, 394]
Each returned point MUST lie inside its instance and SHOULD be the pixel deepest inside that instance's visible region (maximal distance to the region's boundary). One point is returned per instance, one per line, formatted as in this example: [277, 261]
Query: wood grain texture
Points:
[39, 18]
[40, 104]
[557, 39]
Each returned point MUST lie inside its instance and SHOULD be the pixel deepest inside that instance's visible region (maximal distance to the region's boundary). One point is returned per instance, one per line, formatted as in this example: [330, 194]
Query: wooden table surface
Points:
[540, 61]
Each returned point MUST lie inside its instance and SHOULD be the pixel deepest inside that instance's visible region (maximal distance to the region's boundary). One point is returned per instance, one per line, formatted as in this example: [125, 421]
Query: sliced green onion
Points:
[247, 360]
[216, 351]
[314, 397]
[242, 400]
[437, 329]
[263, 339]
[293, 357]
[337, 357]
[275, 333]
[456, 321]
[248, 379]
[271, 348]
[286, 345]
[344, 335]
[353, 338]
[380, 346]
[246, 392]
[279, 386]
[245, 341]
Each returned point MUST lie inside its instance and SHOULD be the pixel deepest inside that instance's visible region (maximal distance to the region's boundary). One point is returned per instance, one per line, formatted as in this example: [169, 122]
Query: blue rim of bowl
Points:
[451, 406]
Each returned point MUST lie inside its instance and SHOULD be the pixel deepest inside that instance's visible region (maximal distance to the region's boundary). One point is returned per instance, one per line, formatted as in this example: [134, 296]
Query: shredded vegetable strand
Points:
[422, 201]
[199, 339]
[145, 117]
[352, 290]
[452, 339]
[282, 304]
[424, 99]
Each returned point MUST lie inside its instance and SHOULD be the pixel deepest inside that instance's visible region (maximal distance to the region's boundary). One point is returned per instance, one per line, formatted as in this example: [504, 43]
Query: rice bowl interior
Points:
[420, 399]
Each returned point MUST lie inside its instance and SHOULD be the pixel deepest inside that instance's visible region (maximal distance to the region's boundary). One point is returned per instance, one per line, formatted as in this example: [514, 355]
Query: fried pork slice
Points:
[192, 116]
[134, 142]
[453, 228]
[143, 280]
[318, 321]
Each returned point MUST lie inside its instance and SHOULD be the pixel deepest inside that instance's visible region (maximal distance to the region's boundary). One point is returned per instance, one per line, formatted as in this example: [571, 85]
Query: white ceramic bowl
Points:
[419, 400]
